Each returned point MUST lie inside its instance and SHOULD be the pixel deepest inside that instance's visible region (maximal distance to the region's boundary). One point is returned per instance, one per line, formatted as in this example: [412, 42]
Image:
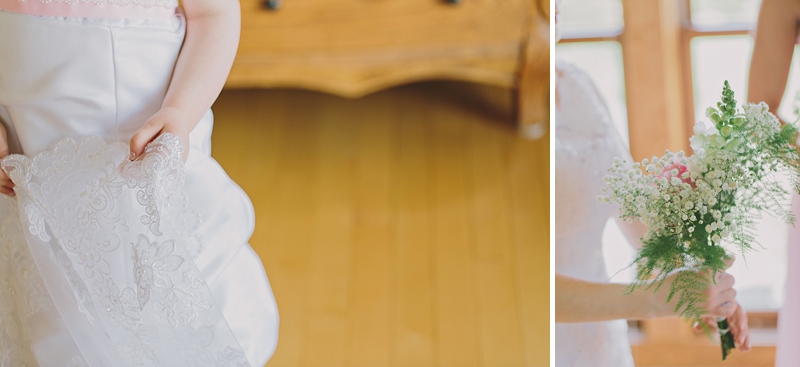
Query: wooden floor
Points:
[704, 354]
[406, 228]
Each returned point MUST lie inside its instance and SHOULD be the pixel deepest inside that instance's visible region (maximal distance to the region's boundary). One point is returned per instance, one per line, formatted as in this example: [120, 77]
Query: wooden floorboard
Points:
[701, 356]
[405, 228]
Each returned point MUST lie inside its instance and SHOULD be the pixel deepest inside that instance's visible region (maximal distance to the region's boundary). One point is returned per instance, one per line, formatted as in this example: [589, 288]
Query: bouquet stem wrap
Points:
[725, 337]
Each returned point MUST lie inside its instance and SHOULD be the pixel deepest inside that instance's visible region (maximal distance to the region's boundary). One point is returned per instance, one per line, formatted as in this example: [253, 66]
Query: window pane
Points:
[603, 62]
[724, 13]
[714, 60]
[761, 275]
[581, 18]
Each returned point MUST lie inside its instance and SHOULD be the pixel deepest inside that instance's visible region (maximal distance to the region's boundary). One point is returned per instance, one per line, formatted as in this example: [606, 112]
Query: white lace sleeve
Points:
[112, 242]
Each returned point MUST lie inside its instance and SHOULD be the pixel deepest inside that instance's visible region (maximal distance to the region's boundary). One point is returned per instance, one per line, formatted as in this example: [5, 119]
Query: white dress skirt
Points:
[104, 262]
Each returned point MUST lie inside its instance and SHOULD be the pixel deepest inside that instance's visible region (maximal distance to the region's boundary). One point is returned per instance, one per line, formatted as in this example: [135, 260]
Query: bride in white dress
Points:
[590, 325]
[106, 261]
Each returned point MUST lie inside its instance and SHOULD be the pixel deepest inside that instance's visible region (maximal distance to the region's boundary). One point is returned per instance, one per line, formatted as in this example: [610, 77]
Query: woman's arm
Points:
[775, 37]
[212, 37]
[582, 301]
[6, 186]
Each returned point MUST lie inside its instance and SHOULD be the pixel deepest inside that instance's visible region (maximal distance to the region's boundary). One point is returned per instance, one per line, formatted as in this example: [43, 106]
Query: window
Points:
[602, 60]
[710, 42]
[719, 47]
[715, 45]
[583, 19]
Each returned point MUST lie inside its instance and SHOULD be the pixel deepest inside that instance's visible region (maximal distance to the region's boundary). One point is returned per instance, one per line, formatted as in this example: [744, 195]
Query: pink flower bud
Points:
[666, 172]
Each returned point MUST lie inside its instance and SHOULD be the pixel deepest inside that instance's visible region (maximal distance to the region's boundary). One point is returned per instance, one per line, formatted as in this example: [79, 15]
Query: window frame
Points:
[687, 32]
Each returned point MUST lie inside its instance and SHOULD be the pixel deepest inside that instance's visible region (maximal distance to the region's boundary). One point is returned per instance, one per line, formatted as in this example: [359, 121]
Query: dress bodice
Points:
[586, 143]
[122, 9]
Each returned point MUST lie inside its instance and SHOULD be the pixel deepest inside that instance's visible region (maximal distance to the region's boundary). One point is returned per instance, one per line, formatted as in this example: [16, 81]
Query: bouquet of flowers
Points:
[698, 207]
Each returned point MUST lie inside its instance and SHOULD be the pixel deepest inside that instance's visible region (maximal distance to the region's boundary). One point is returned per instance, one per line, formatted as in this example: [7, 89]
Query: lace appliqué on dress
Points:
[586, 143]
[125, 238]
[145, 3]
[23, 292]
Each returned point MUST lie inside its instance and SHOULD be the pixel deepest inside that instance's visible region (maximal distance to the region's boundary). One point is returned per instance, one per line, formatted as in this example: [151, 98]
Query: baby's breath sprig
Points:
[699, 207]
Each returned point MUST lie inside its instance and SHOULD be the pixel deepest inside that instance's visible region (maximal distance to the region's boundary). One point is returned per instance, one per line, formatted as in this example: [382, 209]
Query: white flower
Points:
[700, 128]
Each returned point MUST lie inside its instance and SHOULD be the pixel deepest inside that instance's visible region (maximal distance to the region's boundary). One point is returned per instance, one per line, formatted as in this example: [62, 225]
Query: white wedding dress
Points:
[106, 262]
[586, 143]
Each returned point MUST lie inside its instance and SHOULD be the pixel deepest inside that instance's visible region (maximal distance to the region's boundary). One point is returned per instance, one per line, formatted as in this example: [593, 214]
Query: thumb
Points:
[3, 142]
[729, 260]
[144, 136]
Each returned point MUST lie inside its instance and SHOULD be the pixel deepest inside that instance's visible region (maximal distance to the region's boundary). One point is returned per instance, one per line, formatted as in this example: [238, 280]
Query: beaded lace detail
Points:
[124, 237]
[145, 3]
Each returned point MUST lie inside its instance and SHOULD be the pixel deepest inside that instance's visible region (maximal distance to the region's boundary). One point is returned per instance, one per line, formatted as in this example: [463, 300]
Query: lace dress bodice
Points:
[586, 143]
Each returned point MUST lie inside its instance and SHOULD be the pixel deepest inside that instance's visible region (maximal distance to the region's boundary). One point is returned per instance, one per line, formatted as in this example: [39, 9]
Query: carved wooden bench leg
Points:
[533, 86]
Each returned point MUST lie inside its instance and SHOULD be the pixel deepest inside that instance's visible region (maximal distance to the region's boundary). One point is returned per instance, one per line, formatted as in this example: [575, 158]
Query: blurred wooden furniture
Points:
[354, 47]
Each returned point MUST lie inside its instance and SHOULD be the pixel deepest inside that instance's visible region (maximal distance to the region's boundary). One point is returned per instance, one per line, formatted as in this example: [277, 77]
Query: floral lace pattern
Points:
[20, 280]
[586, 143]
[124, 236]
[145, 3]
